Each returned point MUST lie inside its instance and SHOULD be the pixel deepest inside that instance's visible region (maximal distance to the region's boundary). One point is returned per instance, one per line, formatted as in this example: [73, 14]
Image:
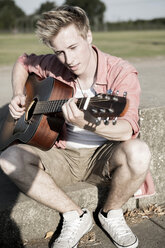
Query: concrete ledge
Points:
[152, 126]
[24, 219]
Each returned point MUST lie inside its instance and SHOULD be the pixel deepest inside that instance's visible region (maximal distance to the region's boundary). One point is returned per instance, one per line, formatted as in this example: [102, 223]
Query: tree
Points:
[9, 13]
[45, 7]
[95, 10]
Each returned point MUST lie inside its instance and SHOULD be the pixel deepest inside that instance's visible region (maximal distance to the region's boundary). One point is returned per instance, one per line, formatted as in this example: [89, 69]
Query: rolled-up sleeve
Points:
[38, 64]
[130, 84]
[124, 78]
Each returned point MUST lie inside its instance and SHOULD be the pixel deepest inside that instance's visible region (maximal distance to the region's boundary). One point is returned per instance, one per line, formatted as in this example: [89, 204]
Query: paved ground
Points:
[151, 234]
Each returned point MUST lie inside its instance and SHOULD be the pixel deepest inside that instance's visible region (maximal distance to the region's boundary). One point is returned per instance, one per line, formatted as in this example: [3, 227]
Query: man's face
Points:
[72, 49]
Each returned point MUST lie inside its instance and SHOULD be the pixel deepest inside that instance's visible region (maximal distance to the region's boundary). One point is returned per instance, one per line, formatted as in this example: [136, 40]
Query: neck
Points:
[87, 79]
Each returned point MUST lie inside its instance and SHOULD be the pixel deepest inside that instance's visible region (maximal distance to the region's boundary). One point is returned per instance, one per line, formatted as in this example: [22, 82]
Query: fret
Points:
[80, 102]
[47, 107]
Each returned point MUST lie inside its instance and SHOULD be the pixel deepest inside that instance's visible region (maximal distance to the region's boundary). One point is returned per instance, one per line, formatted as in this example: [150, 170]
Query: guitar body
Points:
[42, 121]
[39, 130]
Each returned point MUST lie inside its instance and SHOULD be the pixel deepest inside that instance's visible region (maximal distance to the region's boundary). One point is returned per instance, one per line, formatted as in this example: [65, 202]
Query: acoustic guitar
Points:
[42, 121]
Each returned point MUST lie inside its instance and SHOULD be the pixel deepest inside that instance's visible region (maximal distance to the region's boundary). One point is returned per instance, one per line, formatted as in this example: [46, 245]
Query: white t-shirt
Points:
[81, 138]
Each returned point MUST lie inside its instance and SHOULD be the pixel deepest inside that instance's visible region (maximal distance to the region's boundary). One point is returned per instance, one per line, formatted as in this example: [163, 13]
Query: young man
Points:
[111, 151]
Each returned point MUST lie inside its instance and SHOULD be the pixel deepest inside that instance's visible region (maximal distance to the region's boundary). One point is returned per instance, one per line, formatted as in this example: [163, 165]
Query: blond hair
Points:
[52, 22]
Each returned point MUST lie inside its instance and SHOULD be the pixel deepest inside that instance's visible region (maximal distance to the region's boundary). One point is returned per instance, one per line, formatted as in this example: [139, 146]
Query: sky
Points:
[116, 10]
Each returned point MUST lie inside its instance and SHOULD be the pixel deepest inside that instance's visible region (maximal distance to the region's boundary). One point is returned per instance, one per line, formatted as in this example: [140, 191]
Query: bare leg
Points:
[130, 163]
[25, 169]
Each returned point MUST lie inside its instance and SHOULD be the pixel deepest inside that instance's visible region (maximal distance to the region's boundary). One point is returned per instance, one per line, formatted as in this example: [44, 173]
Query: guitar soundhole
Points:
[30, 110]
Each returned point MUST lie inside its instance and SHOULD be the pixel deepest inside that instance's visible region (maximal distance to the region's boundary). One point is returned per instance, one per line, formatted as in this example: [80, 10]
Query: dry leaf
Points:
[89, 237]
[138, 214]
[48, 235]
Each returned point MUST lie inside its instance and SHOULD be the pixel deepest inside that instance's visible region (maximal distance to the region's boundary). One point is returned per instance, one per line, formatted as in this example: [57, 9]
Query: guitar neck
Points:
[50, 107]
[101, 105]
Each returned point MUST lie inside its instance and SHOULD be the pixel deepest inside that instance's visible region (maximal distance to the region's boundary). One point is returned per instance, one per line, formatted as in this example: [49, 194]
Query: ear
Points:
[89, 37]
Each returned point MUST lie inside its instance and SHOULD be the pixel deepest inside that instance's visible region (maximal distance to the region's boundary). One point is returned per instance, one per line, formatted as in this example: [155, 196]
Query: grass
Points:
[125, 44]
[137, 44]
[13, 45]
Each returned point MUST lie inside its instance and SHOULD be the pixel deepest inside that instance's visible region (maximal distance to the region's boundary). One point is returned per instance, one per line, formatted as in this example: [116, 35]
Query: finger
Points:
[18, 103]
[71, 109]
[15, 114]
[68, 110]
[64, 111]
[15, 108]
[74, 110]
[22, 100]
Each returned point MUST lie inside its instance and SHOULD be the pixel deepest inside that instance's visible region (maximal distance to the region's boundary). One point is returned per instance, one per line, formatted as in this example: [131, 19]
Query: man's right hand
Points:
[17, 106]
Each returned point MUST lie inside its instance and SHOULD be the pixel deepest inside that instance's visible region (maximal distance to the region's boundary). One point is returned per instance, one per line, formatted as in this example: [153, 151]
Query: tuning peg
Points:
[106, 121]
[117, 92]
[102, 110]
[115, 99]
[107, 97]
[109, 92]
[110, 110]
[114, 121]
[98, 121]
[125, 94]
[95, 111]
[100, 96]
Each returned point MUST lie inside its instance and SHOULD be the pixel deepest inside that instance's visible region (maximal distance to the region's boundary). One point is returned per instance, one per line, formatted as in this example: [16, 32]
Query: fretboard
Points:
[48, 107]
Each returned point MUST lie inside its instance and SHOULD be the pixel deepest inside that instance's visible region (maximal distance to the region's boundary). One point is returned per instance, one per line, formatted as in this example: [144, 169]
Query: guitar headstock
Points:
[107, 106]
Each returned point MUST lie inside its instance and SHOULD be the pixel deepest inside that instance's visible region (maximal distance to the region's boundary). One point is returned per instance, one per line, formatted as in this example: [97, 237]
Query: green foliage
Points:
[12, 18]
[45, 7]
[28, 23]
[95, 10]
[9, 13]
[157, 23]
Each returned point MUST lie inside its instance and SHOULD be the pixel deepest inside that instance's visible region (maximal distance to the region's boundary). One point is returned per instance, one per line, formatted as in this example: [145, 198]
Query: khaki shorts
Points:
[68, 166]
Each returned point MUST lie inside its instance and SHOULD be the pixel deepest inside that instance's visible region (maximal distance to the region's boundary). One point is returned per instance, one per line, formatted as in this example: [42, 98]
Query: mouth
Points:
[74, 67]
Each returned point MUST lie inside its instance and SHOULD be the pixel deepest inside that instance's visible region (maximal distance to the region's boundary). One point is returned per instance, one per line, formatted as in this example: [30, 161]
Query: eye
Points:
[73, 47]
[58, 53]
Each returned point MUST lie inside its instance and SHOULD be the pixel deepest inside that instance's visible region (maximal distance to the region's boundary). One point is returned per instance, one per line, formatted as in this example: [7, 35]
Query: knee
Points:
[138, 156]
[9, 160]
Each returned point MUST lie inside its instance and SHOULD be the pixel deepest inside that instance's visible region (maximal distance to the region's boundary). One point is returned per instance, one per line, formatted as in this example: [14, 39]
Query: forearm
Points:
[121, 131]
[19, 77]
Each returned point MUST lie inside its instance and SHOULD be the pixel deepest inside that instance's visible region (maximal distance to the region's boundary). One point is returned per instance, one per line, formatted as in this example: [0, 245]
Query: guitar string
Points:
[50, 106]
[55, 104]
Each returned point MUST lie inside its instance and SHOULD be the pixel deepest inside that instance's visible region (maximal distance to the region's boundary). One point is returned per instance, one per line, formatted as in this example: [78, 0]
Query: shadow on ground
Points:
[10, 236]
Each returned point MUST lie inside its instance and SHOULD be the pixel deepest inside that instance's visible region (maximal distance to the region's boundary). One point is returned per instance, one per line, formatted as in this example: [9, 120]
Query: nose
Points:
[68, 58]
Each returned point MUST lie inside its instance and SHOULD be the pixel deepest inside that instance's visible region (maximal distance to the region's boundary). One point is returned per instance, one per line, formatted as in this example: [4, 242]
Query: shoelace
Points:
[68, 230]
[119, 226]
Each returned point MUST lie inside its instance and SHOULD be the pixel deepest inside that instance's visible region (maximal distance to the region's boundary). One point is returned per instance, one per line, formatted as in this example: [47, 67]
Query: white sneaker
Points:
[74, 228]
[117, 228]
